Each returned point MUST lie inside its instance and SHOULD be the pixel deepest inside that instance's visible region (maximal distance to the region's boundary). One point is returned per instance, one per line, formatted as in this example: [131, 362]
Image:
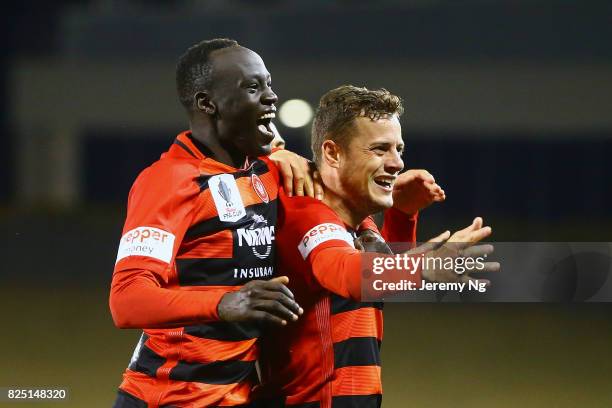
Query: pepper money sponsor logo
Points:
[146, 241]
[323, 233]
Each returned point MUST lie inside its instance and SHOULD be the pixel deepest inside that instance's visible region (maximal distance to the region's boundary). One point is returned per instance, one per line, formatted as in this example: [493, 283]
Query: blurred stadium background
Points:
[508, 103]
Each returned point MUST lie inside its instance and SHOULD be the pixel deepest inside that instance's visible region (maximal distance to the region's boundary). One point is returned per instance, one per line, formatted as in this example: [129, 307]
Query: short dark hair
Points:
[339, 107]
[194, 68]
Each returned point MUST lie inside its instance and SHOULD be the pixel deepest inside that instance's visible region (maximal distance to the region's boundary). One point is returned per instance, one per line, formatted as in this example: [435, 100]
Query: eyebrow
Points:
[386, 144]
[382, 142]
[256, 77]
[267, 75]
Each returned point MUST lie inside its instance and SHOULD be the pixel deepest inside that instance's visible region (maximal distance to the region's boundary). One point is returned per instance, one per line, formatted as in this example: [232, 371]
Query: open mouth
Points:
[264, 124]
[385, 183]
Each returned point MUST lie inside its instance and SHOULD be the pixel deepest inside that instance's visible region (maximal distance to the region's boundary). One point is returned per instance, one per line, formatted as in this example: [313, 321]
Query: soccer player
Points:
[330, 357]
[195, 265]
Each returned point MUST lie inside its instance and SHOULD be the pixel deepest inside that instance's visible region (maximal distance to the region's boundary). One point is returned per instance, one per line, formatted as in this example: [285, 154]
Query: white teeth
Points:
[387, 181]
[270, 115]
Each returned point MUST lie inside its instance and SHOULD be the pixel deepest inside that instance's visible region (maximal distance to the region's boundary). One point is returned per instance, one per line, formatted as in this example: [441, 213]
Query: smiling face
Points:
[368, 166]
[243, 100]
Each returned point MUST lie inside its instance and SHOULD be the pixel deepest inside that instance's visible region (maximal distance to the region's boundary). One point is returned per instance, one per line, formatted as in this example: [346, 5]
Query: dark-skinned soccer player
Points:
[196, 263]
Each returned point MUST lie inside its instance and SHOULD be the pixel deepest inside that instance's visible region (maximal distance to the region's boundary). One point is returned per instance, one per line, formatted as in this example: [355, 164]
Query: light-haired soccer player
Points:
[331, 356]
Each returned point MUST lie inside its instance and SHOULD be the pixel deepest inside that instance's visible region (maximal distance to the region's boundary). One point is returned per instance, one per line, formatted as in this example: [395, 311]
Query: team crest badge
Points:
[227, 198]
[259, 188]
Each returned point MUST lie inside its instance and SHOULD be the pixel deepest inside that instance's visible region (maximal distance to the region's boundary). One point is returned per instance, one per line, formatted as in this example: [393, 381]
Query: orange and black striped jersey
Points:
[195, 229]
[330, 358]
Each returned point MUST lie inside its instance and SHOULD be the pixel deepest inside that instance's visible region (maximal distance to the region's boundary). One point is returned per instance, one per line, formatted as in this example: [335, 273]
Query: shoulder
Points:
[306, 205]
[166, 180]
[169, 172]
[307, 210]
[310, 223]
[273, 169]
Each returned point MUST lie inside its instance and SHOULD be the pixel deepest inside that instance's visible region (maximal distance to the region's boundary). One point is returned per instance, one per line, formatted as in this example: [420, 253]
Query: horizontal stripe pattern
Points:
[357, 401]
[202, 349]
[357, 351]
[314, 404]
[186, 394]
[224, 331]
[340, 304]
[364, 322]
[217, 372]
[357, 380]
[127, 400]
[217, 245]
[282, 403]
[211, 364]
[147, 362]
[357, 330]
[221, 271]
[341, 401]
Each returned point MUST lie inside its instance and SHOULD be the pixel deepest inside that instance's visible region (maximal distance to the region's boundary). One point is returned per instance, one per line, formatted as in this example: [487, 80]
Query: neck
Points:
[204, 131]
[345, 209]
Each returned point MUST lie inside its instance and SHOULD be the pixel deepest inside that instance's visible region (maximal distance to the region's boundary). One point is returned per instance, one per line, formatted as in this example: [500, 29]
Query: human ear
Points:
[331, 153]
[204, 104]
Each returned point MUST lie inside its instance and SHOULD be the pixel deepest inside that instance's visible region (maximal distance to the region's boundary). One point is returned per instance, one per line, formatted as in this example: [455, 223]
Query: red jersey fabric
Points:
[195, 229]
[331, 356]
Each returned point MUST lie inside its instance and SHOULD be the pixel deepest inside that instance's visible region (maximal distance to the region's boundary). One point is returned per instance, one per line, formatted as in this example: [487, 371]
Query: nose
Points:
[269, 97]
[394, 162]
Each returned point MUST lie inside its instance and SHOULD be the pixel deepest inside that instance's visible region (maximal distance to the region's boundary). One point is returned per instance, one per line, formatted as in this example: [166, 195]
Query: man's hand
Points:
[458, 245]
[300, 177]
[415, 190]
[369, 241]
[278, 140]
[260, 301]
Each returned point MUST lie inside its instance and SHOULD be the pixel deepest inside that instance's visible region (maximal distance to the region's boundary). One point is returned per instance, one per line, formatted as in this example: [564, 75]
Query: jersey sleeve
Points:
[327, 246]
[368, 224]
[160, 208]
[399, 227]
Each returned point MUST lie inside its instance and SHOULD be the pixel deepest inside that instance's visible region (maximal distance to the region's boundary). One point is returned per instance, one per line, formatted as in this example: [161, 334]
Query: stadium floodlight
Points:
[295, 113]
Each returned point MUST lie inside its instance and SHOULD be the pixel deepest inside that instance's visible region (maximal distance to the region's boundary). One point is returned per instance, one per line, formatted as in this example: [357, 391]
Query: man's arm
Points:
[299, 175]
[413, 191]
[341, 269]
[399, 226]
[138, 301]
[325, 244]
